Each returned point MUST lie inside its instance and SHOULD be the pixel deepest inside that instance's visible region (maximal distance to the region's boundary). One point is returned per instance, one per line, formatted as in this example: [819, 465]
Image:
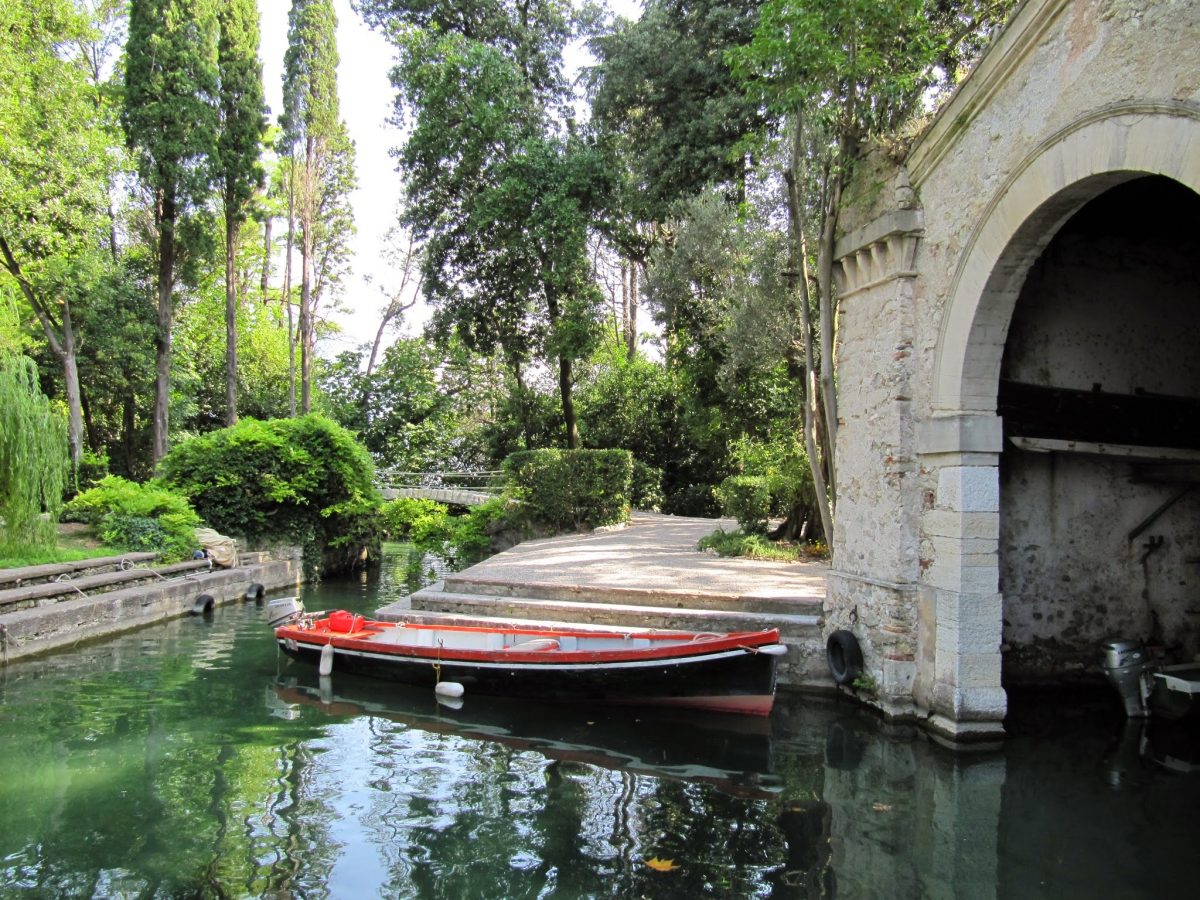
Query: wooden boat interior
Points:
[453, 637]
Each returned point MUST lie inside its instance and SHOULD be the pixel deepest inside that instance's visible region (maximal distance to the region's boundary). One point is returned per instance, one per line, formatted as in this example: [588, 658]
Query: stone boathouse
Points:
[1019, 369]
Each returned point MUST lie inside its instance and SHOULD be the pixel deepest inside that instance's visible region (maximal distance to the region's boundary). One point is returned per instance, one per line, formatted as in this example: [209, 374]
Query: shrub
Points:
[694, 500]
[137, 517]
[748, 499]
[645, 488]
[571, 489]
[304, 481]
[93, 468]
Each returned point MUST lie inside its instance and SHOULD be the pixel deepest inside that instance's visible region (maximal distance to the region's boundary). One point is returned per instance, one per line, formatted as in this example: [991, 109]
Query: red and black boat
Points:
[731, 672]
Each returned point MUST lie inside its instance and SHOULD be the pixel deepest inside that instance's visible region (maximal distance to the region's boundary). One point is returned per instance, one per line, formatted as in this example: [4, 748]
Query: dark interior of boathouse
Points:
[1100, 399]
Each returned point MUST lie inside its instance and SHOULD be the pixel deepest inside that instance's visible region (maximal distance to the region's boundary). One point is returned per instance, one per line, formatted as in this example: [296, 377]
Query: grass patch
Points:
[757, 546]
[75, 541]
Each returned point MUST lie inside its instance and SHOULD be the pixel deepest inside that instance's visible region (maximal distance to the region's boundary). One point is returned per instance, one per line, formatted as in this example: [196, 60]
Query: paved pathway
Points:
[655, 552]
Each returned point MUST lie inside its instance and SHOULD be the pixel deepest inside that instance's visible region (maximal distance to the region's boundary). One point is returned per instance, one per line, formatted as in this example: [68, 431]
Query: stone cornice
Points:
[880, 251]
[1025, 30]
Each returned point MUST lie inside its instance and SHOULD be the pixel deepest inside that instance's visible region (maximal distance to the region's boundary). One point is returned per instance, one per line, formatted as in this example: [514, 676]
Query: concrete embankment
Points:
[43, 610]
[647, 575]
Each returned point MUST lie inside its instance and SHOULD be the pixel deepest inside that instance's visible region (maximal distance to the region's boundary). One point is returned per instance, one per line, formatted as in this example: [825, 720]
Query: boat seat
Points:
[534, 645]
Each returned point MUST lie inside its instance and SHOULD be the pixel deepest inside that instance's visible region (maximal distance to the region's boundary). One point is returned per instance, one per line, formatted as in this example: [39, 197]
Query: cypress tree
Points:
[170, 121]
[242, 124]
[315, 140]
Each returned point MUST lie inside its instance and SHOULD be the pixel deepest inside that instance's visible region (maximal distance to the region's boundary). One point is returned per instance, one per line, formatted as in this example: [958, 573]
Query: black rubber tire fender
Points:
[844, 656]
[202, 605]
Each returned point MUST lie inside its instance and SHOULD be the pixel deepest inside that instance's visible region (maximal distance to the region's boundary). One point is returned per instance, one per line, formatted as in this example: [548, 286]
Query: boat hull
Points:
[725, 678]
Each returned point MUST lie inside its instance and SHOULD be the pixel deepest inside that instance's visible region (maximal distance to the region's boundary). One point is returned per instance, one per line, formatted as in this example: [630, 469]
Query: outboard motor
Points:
[284, 611]
[1127, 666]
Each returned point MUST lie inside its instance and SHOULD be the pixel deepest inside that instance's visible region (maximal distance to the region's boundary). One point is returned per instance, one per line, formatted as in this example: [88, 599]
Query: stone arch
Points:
[1073, 166]
[961, 440]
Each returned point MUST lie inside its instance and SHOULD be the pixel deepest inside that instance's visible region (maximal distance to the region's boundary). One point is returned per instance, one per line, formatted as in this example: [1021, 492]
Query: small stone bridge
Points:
[470, 488]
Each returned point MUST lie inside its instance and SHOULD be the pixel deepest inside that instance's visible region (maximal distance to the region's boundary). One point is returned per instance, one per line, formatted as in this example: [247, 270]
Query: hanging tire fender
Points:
[844, 656]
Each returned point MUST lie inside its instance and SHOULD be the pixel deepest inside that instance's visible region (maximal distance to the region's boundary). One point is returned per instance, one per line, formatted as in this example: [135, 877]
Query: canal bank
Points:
[51, 607]
[646, 575]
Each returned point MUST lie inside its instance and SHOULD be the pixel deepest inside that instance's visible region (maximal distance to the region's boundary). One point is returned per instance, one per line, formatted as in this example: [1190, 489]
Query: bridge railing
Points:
[488, 481]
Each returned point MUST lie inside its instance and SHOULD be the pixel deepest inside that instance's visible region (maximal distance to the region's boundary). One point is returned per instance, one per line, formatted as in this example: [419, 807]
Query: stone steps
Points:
[27, 596]
[773, 601]
[538, 606]
[12, 578]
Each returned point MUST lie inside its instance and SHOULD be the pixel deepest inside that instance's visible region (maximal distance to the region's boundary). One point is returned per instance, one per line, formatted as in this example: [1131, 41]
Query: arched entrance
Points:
[1100, 399]
[962, 439]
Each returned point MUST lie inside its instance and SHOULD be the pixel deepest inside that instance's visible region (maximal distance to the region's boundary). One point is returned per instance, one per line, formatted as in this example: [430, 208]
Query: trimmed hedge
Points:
[302, 481]
[572, 489]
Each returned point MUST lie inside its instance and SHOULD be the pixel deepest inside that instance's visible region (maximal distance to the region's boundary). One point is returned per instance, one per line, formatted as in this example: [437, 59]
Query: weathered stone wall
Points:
[1074, 97]
[60, 625]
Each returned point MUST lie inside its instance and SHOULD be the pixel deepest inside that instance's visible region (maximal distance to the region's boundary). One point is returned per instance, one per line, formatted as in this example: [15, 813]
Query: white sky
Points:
[366, 102]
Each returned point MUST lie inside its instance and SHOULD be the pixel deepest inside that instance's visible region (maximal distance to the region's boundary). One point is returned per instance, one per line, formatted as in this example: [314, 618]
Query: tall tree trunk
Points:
[162, 338]
[128, 427]
[798, 252]
[89, 424]
[828, 311]
[568, 401]
[306, 275]
[287, 286]
[231, 237]
[631, 333]
[266, 260]
[71, 388]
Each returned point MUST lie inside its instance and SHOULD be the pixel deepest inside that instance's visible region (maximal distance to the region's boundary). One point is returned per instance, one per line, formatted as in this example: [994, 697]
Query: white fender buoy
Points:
[451, 689]
[326, 665]
[773, 649]
[449, 702]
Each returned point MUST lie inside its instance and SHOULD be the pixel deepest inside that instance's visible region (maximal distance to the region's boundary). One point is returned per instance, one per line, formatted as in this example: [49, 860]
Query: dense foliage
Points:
[640, 261]
[138, 517]
[33, 458]
[301, 481]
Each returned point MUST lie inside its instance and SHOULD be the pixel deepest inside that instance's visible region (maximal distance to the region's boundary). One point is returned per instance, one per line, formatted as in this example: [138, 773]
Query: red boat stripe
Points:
[539, 662]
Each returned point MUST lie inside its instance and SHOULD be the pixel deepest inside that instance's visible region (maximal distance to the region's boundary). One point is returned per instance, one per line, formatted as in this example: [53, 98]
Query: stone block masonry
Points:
[62, 625]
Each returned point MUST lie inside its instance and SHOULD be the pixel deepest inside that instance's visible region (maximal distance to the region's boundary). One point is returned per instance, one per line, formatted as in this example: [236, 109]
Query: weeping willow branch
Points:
[33, 459]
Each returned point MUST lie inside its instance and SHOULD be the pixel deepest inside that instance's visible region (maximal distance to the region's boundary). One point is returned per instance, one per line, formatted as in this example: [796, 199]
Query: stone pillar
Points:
[872, 584]
[960, 609]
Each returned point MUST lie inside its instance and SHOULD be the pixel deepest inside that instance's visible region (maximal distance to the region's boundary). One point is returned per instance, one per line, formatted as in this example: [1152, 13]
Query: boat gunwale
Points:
[678, 650]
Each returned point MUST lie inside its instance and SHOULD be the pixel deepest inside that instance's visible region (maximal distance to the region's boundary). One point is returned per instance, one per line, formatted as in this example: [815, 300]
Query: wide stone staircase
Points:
[464, 599]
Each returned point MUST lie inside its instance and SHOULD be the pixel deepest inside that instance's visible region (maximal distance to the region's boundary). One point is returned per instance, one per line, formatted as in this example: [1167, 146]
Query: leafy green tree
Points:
[316, 141]
[53, 165]
[662, 89]
[504, 206]
[531, 34]
[241, 124]
[836, 73]
[170, 120]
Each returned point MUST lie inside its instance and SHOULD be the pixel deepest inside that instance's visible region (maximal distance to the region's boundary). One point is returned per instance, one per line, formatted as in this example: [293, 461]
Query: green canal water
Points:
[189, 760]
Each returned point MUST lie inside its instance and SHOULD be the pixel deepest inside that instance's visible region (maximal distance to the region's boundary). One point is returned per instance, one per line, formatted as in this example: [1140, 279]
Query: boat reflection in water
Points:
[732, 753]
